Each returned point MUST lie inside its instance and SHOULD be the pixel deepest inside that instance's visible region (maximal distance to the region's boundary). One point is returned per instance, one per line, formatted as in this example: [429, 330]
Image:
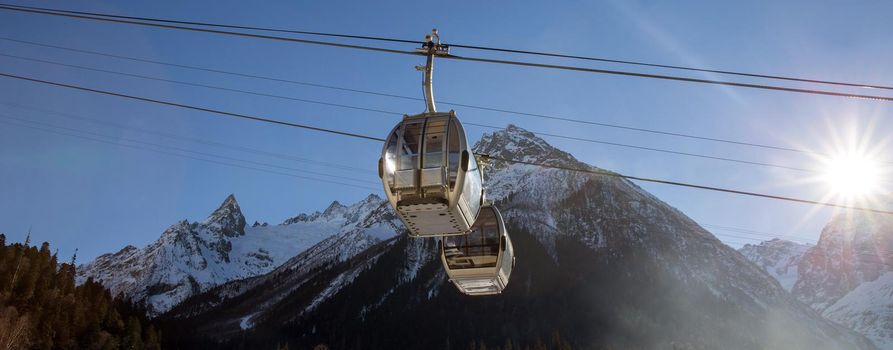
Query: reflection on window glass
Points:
[479, 248]
[390, 155]
[454, 152]
[435, 139]
[409, 146]
[472, 188]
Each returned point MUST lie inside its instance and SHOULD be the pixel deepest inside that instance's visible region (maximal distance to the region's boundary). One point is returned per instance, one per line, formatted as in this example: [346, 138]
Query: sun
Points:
[852, 175]
[849, 164]
[853, 164]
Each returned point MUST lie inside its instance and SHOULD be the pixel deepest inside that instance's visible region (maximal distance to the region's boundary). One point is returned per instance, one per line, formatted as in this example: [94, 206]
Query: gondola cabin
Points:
[480, 262]
[430, 175]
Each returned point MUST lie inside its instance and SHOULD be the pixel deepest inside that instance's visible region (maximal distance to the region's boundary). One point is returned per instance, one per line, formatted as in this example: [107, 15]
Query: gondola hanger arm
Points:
[432, 47]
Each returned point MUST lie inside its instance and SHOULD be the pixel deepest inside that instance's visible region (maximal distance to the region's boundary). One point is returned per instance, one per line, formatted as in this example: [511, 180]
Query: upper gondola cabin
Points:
[430, 175]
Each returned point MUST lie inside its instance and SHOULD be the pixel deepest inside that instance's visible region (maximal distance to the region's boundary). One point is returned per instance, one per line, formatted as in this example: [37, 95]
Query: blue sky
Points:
[98, 197]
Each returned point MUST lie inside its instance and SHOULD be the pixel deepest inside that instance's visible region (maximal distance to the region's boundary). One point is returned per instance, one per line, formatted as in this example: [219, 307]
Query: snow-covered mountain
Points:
[601, 263]
[377, 228]
[780, 258]
[191, 257]
[847, 276]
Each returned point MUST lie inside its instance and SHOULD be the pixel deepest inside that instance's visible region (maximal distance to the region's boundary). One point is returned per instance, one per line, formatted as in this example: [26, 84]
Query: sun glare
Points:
[852, 167]
[852, 175]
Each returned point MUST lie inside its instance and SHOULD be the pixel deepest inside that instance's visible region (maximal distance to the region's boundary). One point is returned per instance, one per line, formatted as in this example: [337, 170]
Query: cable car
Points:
[430, 175]
[480, 262]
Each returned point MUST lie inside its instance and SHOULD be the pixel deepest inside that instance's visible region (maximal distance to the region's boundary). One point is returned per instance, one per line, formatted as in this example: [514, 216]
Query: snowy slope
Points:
[376, 227]
[191, 257]
[778, 257]
[847, 276]
[868, 309]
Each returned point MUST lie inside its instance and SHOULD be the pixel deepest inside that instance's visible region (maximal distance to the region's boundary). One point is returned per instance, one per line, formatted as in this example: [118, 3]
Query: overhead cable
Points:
[404, 97]
[463, 58]
[467, 46]
[368, 109]
[689, 185]
[185, 150]
[195, 108]
[516, 161]
[239, 148]
[185, 156]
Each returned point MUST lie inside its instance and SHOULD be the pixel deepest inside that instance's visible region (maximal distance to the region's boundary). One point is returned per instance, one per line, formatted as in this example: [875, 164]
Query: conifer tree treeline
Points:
[41, 308]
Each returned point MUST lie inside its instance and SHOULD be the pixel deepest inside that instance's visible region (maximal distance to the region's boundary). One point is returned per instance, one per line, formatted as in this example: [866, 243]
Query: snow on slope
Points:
[541, 197]
[847, 276]
[190, 258]
[778, 257]
[608, 214]
[379, 225]
[868, 309]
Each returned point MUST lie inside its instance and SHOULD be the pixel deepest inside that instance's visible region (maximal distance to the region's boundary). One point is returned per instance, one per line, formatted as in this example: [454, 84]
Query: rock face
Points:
[191, 257]
[853, 249]
[227, 219]
[847, 276]
[600, 264]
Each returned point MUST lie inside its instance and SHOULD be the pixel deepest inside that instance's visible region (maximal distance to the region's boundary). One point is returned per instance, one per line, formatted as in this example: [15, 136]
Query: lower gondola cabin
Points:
[480, 262]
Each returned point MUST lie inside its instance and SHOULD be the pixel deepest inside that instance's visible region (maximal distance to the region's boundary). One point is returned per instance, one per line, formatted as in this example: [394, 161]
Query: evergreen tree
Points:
[18, 255]
[150, 340]
[27, 278]
[508, 344]
[557, 343]
[43, 309]
[133, 338]
[14, 332]
[539, 345]
[74, 258]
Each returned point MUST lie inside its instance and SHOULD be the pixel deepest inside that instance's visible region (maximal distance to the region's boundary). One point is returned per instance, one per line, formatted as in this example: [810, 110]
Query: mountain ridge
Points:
[779, 257]
[192, 257]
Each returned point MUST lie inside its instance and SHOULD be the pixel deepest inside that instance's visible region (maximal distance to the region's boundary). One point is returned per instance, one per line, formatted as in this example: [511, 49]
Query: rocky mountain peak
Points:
[779, 257]
[854, 248]
[337, 211]
[857, 229]
[372, 197]
[517, 143]
[302, 217]
[227, 219]
[335, 208]
[777, 244]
